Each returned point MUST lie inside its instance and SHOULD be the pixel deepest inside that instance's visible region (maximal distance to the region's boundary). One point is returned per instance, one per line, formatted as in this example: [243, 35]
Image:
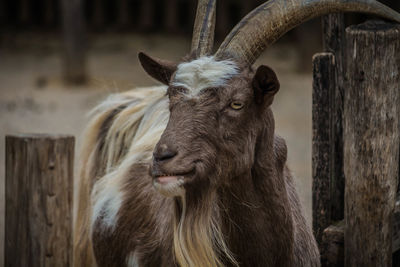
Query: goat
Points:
[197, 176]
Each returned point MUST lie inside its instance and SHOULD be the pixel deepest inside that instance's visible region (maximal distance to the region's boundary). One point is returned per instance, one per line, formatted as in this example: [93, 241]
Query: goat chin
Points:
[172, 188]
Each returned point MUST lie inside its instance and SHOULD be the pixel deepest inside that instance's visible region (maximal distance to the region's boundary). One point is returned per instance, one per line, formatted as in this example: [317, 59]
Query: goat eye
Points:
[237, 105]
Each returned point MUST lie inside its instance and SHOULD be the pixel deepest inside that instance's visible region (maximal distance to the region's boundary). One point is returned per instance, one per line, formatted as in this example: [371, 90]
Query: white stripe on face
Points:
[202, 73]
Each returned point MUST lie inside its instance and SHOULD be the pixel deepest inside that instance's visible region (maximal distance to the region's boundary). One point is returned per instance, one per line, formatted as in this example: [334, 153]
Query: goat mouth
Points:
[172, 178]
[168, 179]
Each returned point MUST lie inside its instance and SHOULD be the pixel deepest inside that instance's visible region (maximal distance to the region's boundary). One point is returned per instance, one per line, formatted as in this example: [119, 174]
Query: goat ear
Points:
[265, 85]
[161, 70]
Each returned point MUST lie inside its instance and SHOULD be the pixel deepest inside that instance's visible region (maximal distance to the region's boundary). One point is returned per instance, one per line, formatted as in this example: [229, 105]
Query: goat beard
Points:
[198, 239]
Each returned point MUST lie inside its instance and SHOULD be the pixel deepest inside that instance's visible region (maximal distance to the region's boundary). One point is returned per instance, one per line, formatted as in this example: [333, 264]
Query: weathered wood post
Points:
[323, 97]
[334, 42]
[371, 149]
[327, 150]
[74, 59]
[39, 180]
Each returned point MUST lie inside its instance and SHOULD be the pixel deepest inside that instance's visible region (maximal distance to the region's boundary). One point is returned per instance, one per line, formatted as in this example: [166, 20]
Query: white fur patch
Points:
[203, 73]
[132, 260]
[108, 201]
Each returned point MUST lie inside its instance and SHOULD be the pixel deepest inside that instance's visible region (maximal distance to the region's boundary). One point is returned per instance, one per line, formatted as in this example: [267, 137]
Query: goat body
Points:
[251, 218]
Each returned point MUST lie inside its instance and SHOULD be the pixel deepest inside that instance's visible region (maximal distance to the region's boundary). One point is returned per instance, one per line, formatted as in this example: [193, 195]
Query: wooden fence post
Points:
[74, 42]
[334, 41]
[323, 95]
[371, 150]
[39, 180]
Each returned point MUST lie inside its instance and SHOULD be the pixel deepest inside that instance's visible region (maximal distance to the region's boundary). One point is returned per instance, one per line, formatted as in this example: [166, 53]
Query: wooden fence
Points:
[356, 124]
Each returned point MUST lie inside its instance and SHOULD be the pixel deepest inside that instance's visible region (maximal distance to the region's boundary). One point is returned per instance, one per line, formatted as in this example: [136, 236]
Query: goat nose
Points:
[164, 153]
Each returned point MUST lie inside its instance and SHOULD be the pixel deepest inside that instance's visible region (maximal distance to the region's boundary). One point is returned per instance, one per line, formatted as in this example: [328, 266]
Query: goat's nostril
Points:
[164, 155]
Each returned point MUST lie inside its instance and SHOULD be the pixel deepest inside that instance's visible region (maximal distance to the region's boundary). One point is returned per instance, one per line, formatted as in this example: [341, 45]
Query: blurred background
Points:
[59, 58]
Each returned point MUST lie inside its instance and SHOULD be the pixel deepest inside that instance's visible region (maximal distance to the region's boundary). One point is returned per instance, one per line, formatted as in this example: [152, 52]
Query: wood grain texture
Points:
[371, 150]
[324, 84]
[74, 59]
[39, 180]
[334, 41]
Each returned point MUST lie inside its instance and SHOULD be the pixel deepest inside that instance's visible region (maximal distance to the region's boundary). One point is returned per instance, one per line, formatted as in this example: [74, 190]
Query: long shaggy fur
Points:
[122, 133]
[125, 126]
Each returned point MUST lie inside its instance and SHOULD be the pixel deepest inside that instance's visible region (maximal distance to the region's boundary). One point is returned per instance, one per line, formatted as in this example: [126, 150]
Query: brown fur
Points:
[239, 207]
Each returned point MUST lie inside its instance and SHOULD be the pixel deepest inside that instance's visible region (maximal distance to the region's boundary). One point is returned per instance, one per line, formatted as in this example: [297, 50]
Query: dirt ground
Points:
[33, 98]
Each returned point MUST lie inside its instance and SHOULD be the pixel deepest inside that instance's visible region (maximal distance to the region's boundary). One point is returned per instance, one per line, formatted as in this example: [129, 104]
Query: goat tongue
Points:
[167, 179]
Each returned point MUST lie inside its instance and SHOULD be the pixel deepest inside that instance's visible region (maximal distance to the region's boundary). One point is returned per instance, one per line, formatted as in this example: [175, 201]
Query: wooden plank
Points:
[333, 27]
[371, 151]
[323, 96]
[74, 59]
[39, 180]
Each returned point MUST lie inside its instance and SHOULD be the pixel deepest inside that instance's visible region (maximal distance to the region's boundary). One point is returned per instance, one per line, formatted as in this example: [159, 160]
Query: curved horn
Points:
[268, 22]
[204, 25]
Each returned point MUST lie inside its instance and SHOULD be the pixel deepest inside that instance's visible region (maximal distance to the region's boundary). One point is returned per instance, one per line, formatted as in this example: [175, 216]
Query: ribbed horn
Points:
[268, 22]
[204, 25]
